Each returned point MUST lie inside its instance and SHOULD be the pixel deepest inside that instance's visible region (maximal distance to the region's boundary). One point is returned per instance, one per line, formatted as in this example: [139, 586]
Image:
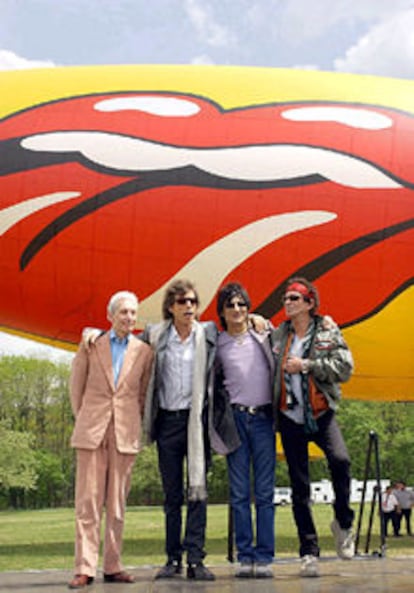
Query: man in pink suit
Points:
[107, 391]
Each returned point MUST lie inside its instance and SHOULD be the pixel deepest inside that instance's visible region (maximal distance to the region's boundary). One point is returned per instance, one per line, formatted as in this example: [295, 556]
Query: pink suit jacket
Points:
[95, 399]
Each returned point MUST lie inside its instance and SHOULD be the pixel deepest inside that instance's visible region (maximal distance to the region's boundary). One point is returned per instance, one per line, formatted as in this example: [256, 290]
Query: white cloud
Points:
[386, 50]
[202, 60]
[207, 28]
[301, 22]
[11, 61]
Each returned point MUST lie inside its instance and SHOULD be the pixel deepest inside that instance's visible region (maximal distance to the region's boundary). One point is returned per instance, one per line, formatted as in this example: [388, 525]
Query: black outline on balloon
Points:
[329, 260]
[186, 176]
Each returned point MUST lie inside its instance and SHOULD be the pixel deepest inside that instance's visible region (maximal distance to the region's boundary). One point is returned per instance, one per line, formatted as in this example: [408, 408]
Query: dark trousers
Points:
[172, 452]
[393, 517]
[295, 444]
[406, 513]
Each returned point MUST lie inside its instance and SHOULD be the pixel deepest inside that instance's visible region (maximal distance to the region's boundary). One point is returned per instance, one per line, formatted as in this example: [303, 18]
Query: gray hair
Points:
[119, 296]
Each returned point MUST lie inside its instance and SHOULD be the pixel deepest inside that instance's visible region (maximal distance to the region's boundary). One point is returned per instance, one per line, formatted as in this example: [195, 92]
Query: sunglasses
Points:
[238, 304]
[185, 300]
[291, 297]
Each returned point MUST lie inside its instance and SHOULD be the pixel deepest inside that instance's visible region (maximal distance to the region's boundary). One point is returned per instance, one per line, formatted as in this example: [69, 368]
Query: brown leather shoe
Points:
[79, 581]
[119, 577]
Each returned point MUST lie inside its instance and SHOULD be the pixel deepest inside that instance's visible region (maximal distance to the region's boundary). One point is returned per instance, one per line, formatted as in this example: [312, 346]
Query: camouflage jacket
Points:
[330, 360]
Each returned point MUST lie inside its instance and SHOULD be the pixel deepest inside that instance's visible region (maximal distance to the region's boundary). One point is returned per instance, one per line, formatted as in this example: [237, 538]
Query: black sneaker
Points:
[170, 570]
[199, 572]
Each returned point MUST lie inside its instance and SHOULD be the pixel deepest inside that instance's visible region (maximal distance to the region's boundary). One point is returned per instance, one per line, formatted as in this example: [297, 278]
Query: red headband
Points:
[299, 287]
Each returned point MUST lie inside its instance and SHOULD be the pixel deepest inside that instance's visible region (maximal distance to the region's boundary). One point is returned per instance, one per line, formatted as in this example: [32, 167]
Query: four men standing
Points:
[183, 416]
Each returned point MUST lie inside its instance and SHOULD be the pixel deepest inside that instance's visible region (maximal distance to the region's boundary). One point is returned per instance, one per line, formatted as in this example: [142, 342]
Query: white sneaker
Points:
[244, 570]
[264, 571]
[344, 541]
[309, 566]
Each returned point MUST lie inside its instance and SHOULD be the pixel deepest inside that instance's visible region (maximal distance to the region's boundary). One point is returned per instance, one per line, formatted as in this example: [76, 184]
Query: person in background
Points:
[405, 500]
[108, 384]
[390, 510]
[243, 393]
[312, 358]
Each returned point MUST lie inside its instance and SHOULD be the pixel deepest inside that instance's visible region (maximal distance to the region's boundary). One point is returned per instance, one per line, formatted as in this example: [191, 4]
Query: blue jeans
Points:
[257, 449]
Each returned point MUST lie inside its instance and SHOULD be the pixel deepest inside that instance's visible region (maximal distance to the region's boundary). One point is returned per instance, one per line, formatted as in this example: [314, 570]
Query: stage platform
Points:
[364, 574]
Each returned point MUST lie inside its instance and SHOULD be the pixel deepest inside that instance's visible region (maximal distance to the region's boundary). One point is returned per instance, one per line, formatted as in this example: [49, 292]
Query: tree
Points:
[146, 482]
[35, 400]
[393, 422]
[18, 463]
[50, 485]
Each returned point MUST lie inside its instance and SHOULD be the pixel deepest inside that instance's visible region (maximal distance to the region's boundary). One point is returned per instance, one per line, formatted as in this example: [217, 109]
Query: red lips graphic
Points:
[105, 192]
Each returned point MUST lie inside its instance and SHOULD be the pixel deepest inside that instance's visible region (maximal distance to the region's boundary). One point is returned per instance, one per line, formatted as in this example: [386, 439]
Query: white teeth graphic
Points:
[223, 256]
[244, 163]
[14, 214]
[161, 106]
[363, 119]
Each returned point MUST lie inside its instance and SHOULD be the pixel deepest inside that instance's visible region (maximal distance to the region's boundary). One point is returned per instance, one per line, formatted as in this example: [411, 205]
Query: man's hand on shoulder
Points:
[259, 323]
[89, 336]
[328, 322]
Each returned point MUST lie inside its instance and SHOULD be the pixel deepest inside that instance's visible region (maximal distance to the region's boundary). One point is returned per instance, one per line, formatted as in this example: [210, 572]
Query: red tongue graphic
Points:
[136, 230]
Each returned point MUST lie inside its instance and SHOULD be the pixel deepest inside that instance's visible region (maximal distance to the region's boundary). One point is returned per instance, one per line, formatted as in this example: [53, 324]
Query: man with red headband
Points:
[312, 359]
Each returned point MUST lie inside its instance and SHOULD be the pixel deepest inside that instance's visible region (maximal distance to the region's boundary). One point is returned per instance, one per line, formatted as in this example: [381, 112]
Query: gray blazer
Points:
[156, 335]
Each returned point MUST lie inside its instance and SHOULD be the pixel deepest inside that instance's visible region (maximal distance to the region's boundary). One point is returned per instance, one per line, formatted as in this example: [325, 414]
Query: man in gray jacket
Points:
[405, 500]
[312, 359]
[176, 418]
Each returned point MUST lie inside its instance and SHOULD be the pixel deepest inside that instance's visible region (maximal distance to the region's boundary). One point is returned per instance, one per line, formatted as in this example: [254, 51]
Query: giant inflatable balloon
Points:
[127, 177]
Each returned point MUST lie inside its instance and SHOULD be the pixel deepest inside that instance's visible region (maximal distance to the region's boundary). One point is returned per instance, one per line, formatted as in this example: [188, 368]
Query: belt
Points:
[175, 413]
[253, 410]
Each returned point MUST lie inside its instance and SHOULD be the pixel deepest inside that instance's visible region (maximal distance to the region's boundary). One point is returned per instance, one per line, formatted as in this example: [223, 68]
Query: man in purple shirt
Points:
[244, 378]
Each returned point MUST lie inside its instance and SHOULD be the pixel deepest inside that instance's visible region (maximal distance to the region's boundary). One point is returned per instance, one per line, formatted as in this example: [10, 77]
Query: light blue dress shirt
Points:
[118, 348]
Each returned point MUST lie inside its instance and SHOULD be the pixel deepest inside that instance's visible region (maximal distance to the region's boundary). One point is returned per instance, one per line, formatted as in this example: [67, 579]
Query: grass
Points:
[45, 539]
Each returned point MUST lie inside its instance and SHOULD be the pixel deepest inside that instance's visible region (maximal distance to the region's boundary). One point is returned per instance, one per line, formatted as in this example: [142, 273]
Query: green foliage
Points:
[35, 404]
[282, 474]
[50, 485]
[17, 459]
[393, 423]
[146, 482]
[218, 483]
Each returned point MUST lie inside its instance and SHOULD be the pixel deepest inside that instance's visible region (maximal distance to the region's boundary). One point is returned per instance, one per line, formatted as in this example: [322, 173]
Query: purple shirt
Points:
[247, 374]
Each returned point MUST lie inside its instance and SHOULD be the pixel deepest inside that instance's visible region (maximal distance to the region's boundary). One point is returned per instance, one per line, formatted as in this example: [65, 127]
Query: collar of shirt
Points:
[225, 337]
[174, 336]
[117, 340]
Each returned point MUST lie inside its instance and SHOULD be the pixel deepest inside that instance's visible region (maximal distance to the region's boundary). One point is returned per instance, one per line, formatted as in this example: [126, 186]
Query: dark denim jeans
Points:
[257, 450]
[295, 444]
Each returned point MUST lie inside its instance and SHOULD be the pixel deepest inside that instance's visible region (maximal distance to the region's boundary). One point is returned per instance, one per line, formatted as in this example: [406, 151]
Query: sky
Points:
[356, 36]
